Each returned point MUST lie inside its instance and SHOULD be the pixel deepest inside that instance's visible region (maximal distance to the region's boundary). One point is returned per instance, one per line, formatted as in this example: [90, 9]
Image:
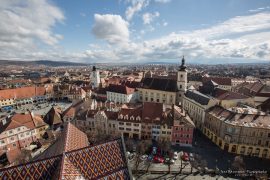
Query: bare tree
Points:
[203, 165]
[129, 144]
[140, 150]
[193, 164]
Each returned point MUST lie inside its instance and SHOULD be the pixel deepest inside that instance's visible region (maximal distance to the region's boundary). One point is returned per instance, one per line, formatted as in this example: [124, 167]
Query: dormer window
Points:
[132, 118]
[121, 116]
[126, 116]
[138, 118]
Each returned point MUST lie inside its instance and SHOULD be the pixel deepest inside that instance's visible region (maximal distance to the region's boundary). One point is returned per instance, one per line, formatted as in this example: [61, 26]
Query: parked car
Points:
[185, 157]
[158, 159]
[175, 155]
[169, 161]
[191, 157]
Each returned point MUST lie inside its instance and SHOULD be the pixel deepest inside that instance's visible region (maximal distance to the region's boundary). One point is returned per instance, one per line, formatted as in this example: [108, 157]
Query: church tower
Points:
[95, 78]
[182, 80]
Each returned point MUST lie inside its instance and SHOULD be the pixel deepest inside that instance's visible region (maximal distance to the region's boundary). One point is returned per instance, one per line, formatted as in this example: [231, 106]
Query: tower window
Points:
[180, 86]
[181, 75]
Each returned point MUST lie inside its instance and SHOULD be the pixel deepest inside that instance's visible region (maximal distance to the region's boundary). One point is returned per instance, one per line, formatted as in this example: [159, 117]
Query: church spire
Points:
[183, 66]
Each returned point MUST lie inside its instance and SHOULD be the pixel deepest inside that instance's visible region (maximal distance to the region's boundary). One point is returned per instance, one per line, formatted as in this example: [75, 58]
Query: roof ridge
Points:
[66, 137]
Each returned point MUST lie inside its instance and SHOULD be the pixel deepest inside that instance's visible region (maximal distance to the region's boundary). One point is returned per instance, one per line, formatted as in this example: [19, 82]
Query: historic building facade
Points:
[239, 133]
[165, 90]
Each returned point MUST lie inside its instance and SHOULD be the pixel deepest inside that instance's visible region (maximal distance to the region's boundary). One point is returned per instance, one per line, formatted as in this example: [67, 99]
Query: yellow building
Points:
[164, 89]
[245, 132]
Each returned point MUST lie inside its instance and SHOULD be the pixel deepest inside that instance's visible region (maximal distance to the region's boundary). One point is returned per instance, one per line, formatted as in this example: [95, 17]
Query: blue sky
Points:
[135, 30]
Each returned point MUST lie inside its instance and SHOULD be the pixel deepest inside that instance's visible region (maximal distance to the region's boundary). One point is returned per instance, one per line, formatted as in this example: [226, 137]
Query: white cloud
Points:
[82, 14]
[21, 32]
[165, 24]
[136, 6]
[237, 25]
[238, 37]
[112, 28]
[259, 9]
[24, 25]
[163, 1]
[149, 17]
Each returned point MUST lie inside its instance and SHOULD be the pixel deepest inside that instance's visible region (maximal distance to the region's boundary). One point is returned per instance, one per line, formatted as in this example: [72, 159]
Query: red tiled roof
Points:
[103, 161]
[122, 89]
[71, 138]
[135, 112]
[21, 93]
[18, 120]
[219, 80]
[152, 111]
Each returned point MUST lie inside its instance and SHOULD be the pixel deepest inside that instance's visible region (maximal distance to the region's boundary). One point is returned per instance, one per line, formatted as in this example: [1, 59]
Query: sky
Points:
[205, 31]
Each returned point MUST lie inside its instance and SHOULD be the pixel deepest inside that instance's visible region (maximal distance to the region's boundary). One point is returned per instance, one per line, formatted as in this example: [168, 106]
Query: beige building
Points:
[164, 89]
[195, 104]
[245, 131]
[155, 95]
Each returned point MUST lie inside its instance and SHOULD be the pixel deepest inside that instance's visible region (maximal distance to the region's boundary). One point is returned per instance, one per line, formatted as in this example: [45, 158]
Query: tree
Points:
[203, 165]
[193, 164]
[140, 150]
[129, 144]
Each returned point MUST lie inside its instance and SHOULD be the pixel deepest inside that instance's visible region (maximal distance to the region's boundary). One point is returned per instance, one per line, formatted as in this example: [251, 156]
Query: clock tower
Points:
[181, 80]
[95, 78]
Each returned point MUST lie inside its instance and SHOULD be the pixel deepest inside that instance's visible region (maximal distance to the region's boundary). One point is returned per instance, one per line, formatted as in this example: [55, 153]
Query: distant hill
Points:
[40, 62]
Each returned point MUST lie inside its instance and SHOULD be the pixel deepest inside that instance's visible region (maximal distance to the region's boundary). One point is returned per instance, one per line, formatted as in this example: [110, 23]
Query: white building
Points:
[121, 94]
[196, 103]
[95, 77]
